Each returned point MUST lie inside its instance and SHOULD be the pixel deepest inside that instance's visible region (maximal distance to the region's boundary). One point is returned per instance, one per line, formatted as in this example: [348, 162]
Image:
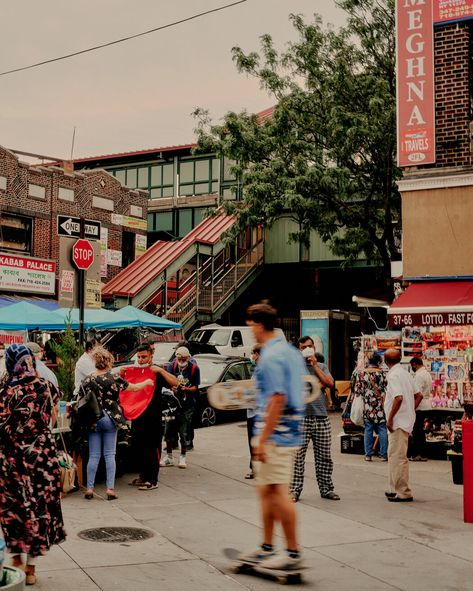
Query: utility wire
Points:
[169, 25]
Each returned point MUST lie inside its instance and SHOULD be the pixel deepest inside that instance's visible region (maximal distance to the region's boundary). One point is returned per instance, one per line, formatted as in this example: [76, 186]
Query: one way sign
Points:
[70, 227]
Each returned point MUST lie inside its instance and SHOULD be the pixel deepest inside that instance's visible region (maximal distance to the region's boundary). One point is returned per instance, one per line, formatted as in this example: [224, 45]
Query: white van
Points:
[228, 340]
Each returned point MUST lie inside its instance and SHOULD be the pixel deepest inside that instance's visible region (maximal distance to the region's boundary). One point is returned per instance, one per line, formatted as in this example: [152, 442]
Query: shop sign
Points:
[66, 285]
[415, 82]
[11, 337]
[114, 257]
[140, 245]
[129, 222]
[430, 319]
[103, 252]
[27, 274]
[93, 290]
[448, 11]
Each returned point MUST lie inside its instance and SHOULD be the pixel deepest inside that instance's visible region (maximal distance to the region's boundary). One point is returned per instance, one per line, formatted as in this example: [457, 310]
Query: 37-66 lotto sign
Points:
[82, 254]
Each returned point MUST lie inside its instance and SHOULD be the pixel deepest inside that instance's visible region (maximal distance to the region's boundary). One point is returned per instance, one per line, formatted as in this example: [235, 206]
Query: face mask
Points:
[308, 352]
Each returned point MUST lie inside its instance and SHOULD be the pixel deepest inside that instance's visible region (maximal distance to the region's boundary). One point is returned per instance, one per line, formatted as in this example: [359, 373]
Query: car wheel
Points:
[208, 417]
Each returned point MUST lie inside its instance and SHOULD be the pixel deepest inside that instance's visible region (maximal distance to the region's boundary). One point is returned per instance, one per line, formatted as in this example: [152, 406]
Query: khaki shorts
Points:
[278, 466]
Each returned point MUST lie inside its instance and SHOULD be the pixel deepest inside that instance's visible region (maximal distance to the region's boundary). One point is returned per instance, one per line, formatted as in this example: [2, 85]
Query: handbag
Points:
[356, 413]
[88, 410]
[67, 468]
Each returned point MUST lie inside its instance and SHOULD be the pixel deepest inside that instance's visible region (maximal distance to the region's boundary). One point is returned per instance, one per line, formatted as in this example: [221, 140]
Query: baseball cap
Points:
[33, 347]
[182, 352]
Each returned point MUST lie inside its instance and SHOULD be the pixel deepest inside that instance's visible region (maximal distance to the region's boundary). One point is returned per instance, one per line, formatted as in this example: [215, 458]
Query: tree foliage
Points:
[68, 352]
[327, 154]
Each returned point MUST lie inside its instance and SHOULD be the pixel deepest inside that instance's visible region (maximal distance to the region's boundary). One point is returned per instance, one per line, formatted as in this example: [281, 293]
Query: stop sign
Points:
[82, 254]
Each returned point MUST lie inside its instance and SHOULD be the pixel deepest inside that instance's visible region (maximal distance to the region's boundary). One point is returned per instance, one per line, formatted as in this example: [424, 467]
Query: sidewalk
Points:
[361, 543]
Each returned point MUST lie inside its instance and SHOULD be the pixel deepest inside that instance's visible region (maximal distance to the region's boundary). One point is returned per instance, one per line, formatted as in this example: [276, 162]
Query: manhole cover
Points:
[115, 535]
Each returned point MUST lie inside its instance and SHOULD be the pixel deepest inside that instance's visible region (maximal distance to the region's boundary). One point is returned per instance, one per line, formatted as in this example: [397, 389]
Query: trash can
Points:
[13, 579]
[456, 460]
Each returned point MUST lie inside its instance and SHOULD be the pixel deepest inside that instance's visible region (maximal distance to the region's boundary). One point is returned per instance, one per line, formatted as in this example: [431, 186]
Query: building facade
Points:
[32, 198]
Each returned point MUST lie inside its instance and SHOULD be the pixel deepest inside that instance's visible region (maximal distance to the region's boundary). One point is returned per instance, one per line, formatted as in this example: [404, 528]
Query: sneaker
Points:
[148, 486]
[256, 556]
[368, 459]
[167, 461]
[282, 562]
[383, 458]
[182, 461]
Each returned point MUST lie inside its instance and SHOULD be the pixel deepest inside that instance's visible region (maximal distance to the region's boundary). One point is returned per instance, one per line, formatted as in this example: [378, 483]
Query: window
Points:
[143, 178]
[235, 372]
[162, 180]
[131, 178]
[120, 176]
[185, 221]
[128, 248]
[15, 233]
[199, 176]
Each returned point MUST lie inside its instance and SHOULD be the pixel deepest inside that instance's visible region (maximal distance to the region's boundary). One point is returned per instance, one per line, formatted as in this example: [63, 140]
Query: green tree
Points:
[68, 352]
[326, 156]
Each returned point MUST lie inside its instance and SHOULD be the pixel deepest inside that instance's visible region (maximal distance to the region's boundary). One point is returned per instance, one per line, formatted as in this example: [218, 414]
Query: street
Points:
[359, 543]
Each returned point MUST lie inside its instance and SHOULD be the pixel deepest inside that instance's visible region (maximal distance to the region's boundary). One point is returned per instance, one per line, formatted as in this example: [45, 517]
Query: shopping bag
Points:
[356, 413]
[67, 469]
[87, 409]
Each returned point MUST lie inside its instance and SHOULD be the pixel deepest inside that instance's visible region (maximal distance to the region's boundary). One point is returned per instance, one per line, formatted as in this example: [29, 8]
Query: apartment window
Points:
[15, 233]
[120, 175]
[162, 180]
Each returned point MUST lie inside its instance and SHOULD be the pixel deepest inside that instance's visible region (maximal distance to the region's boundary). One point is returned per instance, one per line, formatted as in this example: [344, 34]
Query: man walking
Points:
[85, 364]
[316, 428]
[279, 405]
[423, 381]
[187, 373]
[402, 398]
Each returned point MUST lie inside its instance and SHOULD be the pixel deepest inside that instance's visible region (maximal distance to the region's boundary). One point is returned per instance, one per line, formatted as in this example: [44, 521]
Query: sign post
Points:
[82, 257]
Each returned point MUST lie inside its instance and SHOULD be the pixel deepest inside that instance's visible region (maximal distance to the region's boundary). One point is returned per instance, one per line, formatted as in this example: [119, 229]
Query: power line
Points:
[169, 25]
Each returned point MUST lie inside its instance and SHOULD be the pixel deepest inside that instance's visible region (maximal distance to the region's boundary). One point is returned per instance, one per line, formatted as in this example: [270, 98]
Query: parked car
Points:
[163, 352]
[215, 369]
[228, 340]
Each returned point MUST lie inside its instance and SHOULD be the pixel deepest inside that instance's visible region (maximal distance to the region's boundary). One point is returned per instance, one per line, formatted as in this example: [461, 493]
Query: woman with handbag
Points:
[102, 390]
[30, 487]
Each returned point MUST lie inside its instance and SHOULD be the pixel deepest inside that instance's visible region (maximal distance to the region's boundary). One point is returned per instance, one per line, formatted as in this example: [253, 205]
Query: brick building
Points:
[31, 198]
[437, 198]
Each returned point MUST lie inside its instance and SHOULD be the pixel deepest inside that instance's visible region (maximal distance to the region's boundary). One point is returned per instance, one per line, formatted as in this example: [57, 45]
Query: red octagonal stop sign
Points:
[82, 254]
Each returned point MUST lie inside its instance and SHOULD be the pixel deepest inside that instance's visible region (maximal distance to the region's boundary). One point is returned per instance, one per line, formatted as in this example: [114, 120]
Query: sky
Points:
[135, 95]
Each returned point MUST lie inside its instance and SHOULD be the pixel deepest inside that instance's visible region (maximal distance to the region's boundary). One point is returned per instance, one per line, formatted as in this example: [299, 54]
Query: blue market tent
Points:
[7, 300]
[26, 316]
[100, 318]
[138, 317]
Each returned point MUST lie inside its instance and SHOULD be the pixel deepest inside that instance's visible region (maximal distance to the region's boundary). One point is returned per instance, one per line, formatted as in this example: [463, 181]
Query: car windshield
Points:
[210, 370]
[213, 336]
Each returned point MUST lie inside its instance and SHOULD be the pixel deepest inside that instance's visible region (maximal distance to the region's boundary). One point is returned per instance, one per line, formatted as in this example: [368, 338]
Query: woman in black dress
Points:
[30, 487]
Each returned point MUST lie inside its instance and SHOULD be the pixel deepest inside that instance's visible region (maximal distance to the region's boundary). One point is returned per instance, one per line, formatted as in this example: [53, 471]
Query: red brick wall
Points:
[44, 212]
[452, 47]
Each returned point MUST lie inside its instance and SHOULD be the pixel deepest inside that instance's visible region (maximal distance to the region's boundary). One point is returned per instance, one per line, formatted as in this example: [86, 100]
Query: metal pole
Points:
[81, 293]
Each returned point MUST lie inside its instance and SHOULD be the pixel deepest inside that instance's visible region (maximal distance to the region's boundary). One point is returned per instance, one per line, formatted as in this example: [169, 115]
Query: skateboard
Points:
[241, 394]
[283, 577]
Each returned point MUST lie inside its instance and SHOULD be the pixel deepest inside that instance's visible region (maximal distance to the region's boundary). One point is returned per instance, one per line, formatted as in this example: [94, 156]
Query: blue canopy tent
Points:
[99, 319]
[26, 316]
[7, 300]
[137, 317]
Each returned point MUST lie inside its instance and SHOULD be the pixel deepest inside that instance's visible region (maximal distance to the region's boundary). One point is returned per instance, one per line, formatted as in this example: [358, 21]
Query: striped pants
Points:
[319, 431]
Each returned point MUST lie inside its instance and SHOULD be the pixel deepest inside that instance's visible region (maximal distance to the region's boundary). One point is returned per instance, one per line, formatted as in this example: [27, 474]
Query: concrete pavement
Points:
[361, 543]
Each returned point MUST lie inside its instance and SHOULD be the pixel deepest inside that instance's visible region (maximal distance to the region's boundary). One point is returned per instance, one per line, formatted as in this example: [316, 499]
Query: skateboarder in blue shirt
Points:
[279, 410]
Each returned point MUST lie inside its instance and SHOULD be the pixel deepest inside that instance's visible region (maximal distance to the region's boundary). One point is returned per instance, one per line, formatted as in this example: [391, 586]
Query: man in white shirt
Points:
[402, 398]
[85, 365]
[423, 381]
[42, 369]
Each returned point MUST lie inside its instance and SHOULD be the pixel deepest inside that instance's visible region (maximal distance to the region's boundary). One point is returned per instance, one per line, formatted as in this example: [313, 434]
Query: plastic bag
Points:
[356, 413]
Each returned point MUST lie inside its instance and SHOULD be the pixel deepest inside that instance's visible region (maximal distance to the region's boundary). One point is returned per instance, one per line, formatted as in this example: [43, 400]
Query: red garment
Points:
[135, 403]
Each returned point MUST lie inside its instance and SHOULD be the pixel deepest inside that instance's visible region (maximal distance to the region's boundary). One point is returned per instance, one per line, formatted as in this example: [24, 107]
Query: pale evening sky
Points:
[137, 94]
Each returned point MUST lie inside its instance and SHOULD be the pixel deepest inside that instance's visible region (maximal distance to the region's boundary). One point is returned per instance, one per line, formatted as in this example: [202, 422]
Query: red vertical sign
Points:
[415, 82]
